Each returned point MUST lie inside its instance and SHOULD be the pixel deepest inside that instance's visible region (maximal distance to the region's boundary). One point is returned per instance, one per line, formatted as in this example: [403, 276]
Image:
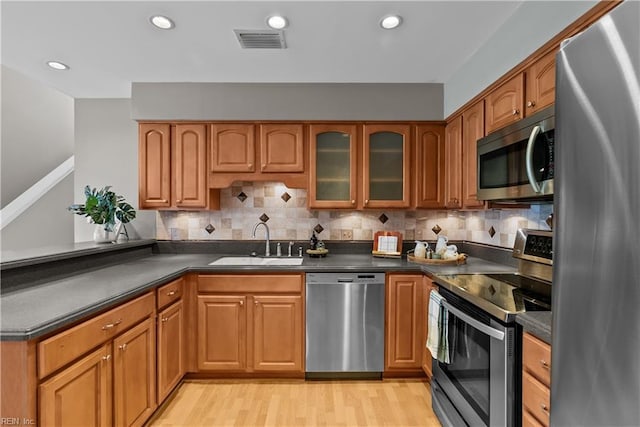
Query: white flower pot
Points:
[100, 235]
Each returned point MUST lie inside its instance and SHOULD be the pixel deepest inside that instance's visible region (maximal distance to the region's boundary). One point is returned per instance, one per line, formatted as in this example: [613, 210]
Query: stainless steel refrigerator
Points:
[595, 374]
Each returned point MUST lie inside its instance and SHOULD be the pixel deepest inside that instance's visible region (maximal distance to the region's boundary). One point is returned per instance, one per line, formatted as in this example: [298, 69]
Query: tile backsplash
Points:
[285, 211]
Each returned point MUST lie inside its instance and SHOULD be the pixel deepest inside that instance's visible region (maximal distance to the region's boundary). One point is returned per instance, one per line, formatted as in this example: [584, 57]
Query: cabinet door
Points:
[190, 171]
[333, 166]
[222, 332]
[134, 375]
[453, 157]
[504, 104]
[281, 148]
[386, 169]
[427, 287]
[81, 394]
[540, 81]
[171, 362]
[232, 147]
[154, 166]
[430, 166]
[472, 130]
[405, 322]
[277, 341]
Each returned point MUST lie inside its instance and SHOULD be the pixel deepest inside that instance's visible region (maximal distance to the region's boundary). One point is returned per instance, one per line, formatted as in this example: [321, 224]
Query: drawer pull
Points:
[544, 364]
[171, 293]
[111, 325]
[123, 347]
[106, 358]
[164, 319]
[544, 408]
[241, 303]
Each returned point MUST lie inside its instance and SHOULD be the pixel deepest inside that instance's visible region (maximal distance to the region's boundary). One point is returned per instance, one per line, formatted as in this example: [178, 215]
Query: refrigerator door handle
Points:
[529, 159]
[485, 329]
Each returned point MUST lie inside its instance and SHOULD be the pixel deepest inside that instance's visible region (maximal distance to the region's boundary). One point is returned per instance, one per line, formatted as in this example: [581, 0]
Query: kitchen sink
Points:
[249, 260]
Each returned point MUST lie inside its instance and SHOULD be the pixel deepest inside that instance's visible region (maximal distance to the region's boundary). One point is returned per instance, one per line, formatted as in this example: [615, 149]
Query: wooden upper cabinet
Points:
[386, 166]
[154, 175]
[504, 105]
[429, 169]
[232, 147]
[540, 81]
[281, 148]
[333, 166]
[453, 159]
[472, 130]
[190, 160]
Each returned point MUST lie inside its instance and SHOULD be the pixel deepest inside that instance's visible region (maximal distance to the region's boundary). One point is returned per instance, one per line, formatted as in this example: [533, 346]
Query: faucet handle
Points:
[278, 249]
[300, 251]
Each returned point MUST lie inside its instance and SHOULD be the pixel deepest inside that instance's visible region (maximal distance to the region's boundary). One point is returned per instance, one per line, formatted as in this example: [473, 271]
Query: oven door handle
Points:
[529, 159]
[486, 329]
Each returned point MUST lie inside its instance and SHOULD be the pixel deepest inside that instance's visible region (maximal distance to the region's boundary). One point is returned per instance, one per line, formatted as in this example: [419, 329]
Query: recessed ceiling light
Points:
[277, 22]
[390, 22]
[56, 65]
[162, 22]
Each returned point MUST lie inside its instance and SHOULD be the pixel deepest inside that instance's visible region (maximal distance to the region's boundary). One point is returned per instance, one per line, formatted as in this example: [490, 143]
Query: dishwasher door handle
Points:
[345, 280]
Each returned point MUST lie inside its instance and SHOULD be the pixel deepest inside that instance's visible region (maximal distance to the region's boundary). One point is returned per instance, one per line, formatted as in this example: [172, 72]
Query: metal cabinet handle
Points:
[353, 202]
[531, 104]
[178, 201]
[366, 202]
[544, 408]
[111, 325]
[164, 319]
[241, 303]
[264, 165]
[171, 293]
[107, 357]
[256, 303]
[516, 112]
[250, 165]
[123, 347]
[544, 364]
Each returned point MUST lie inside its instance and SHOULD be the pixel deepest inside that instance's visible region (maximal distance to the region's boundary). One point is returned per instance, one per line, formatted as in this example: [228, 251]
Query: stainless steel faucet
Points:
[267, 251]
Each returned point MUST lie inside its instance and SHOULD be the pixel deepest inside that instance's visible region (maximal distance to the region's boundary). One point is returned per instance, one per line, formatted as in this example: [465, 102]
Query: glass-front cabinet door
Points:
[386, 157]
[332, 166]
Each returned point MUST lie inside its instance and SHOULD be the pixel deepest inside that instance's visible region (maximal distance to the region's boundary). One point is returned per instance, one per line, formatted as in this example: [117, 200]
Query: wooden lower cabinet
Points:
[134, 375]
[171, 342]
[536, 381]
[80, 395]
[257, 329]
[277, 333]
[405, 322]
[222, 332]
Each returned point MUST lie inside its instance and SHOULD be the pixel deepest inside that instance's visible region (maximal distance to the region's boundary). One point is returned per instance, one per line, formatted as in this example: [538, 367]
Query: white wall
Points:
[106, 153]
[37, 136]
[532, 25]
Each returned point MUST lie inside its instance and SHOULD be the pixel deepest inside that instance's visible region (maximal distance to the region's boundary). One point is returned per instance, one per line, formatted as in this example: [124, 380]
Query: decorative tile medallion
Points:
[492, 231]
[285, 196]
[383, 218]
[318, 228]
[242, 197]
[210, 228]
[264, 217]
[436, 229]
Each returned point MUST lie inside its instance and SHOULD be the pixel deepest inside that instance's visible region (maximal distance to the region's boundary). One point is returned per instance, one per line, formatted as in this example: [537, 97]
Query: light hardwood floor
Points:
[298, 403]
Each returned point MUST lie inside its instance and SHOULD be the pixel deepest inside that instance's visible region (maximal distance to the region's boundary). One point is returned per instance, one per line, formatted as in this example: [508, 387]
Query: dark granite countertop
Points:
[37, 310]
[537, 323]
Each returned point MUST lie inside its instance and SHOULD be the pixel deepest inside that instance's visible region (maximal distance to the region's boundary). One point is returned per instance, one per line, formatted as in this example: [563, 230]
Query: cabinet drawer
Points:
[535, 398]
[536, 358]
[170, 292]
[290, 283]
[529, 420]
[57, 351]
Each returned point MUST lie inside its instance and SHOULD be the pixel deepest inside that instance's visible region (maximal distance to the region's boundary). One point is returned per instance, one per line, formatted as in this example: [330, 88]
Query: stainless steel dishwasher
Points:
[345, 324]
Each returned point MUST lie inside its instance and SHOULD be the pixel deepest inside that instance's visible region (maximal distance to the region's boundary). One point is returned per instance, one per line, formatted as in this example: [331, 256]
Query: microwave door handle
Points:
[485, 329]
[529, 159]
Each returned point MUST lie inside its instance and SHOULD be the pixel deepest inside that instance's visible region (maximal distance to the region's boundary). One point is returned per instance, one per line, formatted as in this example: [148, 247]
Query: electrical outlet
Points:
[347, 235]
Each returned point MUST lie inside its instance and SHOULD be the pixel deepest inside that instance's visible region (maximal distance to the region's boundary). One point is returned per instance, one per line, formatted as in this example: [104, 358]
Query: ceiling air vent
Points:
[261, 39]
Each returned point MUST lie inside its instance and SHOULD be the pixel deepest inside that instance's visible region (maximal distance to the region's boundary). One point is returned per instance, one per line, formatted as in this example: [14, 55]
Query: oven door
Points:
[479, 381]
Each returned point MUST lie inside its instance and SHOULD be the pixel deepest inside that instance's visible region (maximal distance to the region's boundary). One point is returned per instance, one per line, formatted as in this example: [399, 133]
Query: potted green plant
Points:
[104, 207]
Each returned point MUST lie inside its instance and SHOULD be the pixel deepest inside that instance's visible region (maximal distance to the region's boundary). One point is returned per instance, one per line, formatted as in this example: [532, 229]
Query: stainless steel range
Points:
[480, 386]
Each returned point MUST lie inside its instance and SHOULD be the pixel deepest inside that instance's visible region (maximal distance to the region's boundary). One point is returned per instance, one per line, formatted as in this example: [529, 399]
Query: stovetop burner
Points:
[506, 295]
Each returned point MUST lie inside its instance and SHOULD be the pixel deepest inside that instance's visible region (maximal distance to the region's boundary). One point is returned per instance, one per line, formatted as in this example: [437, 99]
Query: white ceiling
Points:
[110, 44]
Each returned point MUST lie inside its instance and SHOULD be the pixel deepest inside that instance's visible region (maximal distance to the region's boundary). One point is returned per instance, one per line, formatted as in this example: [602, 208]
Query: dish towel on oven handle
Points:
[438, 327]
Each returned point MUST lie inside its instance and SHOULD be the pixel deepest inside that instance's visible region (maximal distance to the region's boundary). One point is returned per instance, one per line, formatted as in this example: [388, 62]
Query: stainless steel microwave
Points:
[515, 163]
